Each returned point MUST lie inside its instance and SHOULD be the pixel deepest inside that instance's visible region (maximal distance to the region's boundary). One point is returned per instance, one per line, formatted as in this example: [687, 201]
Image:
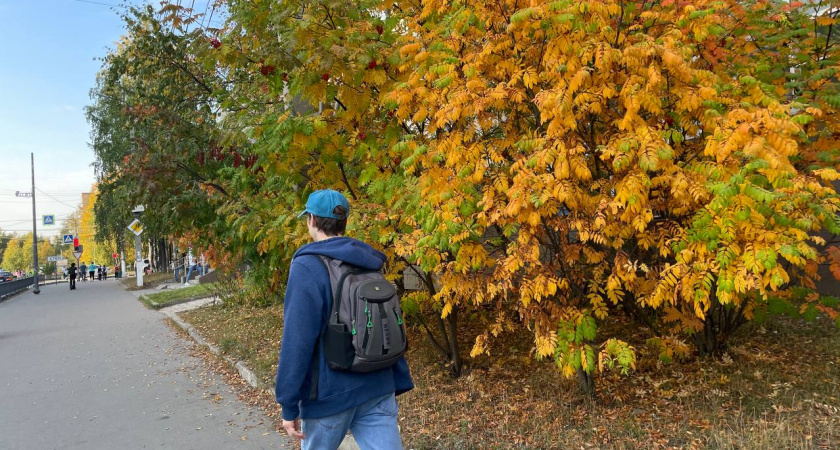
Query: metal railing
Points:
[13, 287]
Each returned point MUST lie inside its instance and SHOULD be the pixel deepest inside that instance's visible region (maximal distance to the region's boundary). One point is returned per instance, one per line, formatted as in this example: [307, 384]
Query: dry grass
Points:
[245, 333]
[777, 387]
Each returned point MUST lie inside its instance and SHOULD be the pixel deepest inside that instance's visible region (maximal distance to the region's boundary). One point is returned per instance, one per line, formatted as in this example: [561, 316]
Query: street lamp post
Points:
[35, 288]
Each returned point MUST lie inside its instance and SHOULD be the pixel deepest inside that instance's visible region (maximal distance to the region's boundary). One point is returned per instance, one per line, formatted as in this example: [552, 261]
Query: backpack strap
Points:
[316, 364]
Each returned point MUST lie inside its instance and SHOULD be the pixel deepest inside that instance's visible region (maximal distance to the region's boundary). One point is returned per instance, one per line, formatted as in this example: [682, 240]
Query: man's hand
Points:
[293, 428]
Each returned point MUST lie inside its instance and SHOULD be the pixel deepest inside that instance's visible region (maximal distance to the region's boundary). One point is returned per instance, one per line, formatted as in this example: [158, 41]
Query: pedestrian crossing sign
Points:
[49, 219]
[68, 238]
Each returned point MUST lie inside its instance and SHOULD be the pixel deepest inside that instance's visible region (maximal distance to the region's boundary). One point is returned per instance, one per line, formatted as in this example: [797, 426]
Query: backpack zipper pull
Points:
[353, 324]
[369, 316]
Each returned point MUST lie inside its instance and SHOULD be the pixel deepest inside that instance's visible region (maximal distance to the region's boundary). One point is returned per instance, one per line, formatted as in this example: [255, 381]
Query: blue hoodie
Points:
[306, 308]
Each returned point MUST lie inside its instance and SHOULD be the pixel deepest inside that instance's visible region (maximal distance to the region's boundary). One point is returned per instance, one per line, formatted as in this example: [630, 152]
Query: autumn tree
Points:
[5, 237]
[153, 118]
[580, 157]
[324, 118]
[15, 256]
[542, 165]
[790, 50]
[18, 253]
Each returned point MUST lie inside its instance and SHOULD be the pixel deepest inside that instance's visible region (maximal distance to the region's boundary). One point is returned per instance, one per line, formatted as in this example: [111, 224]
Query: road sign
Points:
[49, 219]
[23, 194]
[68, 238]
[136, 227]
[55, 258]
[77, 255]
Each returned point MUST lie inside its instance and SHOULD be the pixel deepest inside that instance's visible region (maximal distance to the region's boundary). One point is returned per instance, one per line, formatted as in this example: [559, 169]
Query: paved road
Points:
[94, 369]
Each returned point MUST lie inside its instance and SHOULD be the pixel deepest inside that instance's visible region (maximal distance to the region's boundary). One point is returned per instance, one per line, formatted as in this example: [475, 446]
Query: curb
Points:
[143, 298]
[240, 366]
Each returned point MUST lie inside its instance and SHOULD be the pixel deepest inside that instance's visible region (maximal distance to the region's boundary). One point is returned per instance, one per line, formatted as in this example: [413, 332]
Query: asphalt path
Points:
[94, 369]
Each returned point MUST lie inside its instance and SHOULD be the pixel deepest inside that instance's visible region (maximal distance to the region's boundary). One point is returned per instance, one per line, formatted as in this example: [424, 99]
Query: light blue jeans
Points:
[197, 267]
[373, 423]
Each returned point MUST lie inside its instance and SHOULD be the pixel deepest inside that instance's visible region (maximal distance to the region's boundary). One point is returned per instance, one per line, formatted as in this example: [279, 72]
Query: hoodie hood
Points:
[345, 249]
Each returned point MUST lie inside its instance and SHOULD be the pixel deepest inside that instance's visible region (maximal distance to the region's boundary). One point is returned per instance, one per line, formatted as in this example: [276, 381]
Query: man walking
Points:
[92, 270]
[321, 404]
[72, 273]
[83, 271]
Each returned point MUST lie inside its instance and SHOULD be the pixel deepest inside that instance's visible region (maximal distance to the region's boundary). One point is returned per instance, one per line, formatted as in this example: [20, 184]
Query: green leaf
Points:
[522, 14]
[590, 359]
[589, 328]
[444, 82]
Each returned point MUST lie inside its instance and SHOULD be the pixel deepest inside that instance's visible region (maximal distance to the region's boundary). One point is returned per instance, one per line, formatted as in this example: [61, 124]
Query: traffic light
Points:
[75, 244]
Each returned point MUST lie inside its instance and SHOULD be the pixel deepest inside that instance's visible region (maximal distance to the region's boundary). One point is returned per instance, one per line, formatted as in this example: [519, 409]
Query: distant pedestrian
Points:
[92, 270]
[72, 273]
[83, 271]
[104, 272]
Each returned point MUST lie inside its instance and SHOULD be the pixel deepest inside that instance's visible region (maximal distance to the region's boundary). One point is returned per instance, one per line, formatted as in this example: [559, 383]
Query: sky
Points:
[50, 53]
[48, 64]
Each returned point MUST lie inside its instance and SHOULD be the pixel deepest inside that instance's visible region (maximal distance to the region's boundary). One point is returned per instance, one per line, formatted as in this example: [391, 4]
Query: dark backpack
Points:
[365, 330]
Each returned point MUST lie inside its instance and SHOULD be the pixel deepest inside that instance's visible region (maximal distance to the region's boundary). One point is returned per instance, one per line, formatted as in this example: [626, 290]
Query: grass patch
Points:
[150, 281]
[777, 387]
[158, 299]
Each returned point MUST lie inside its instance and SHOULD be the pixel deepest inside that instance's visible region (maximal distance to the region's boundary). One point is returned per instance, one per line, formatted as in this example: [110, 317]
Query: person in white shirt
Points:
[192, 264]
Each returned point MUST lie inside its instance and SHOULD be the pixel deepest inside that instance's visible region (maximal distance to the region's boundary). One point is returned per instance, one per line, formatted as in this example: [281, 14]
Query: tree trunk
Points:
[444, 335]
[163, 256]
[150, 255]
[455, 353]
[586, 383]
[706, 340]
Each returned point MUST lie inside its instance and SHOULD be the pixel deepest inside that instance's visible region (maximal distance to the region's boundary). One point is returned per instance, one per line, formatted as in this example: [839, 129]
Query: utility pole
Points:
[136, 227]
[35, 289]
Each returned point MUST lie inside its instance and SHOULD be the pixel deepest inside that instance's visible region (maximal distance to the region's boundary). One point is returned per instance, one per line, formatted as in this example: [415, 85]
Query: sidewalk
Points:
[125, 379]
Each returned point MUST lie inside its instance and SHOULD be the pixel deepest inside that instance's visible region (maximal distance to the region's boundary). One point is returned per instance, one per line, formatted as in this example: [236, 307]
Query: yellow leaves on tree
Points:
[585, 134]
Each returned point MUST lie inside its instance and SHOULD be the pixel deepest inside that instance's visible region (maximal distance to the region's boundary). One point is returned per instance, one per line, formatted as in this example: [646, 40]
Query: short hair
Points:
[332, 227]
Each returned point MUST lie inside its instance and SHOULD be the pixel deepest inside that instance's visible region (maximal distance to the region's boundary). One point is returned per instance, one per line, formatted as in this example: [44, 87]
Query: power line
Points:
[61, 218]
[59, 194]
[204, 16]
[59, 201]
[100, 3]
[192, 5]
[12, 202]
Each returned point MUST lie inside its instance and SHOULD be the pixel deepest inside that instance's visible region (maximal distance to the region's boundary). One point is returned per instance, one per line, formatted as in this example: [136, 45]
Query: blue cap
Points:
[321, 203]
